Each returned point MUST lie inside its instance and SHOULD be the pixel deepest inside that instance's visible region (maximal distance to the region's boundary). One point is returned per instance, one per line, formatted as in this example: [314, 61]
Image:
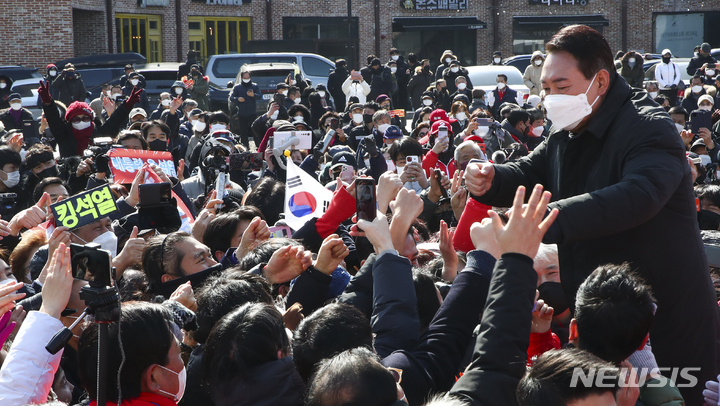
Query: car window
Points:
[229, 67]
[268, 79]
[25, 90]
[489, 78]
[21, 73]
[315, 67]
[94, 77]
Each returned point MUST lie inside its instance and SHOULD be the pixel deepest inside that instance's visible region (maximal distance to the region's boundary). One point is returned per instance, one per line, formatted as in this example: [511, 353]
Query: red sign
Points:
[124, 163]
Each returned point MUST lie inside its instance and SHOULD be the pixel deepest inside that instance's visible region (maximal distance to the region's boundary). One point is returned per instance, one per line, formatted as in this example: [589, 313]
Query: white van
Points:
[221, 69]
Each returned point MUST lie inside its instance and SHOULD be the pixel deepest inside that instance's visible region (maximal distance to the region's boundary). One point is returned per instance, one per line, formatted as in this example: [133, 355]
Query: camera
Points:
[7, 204]
[100, 148]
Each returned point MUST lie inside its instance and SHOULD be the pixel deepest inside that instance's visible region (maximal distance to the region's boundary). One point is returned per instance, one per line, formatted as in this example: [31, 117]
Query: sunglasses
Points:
[85, 119]
[423, 133]
[396, 373]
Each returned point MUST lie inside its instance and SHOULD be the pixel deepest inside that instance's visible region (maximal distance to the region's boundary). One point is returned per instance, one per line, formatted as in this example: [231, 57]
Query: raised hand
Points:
[131, 253]
[542, 317]
[185, 296]
[388, 187]
[293, 316]
[483, 237]
[30, 217]
[255, 233]
[332, 252]
[376, 231]
[58, 285]
[287, 263]
[458, 194]
[479, 177]
[134, 98]
[527, 225]
[44, 93]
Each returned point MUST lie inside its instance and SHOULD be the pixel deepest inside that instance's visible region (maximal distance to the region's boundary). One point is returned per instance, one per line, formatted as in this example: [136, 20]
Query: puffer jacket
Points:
[532, 74]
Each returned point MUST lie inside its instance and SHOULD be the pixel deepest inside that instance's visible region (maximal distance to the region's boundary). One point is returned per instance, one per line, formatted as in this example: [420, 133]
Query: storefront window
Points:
[530, 33]
[217, 35]
[682, 32]
[329, 34]
[139, 33]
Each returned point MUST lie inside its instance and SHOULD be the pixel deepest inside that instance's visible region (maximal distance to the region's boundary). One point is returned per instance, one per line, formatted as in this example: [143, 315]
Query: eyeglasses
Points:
[423, 133]
[77, 119]
[396, 373]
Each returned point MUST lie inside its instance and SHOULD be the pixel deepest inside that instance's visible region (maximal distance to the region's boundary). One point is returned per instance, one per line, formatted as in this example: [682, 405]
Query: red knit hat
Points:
[440, 114]
[52, 65]
[77, 108]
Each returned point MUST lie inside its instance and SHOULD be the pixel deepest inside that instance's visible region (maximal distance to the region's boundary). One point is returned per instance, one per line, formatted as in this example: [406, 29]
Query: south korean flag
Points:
[305, 197]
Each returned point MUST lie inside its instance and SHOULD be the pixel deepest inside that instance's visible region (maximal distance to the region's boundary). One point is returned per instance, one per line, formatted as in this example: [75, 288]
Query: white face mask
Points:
[108, 241]
[382, 128]
[482, 131]
[108, 92]
[3, 85]
[697, 89]
[567, 111]
[501, 86]
[653, 94]
[13, 178]
[393, 69]
[679, 127]
[274, 115]
[246, 80]
[134, 82]
[82, 125]
[537, 131]
[179, 90]
[461, 116]
[537, 62]
[461, 86]
[321, 93]
[390, 165]
[631, 61]
[16, 106]
[302, 118]
[165, 102]
[454, 69]
[448, 60]
[116, 95]
[395, 57]
[199, 126]
[496, 60]
[427, 102]
[52, 73]
[705, 107]
[216, 127]
[358, 118]
[182, 381]
[710, 72]
[297, 100]
[283, 92]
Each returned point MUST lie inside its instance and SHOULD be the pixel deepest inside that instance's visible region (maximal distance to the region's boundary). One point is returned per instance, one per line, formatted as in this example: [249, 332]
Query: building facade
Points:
[164, 30]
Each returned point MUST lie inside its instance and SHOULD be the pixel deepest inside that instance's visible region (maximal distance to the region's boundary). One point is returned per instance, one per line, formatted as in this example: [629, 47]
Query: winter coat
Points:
[418, 84]
[272, 383]
[634, 75]
[381, 82]
[450, 77]
[248, 106]
[5, 93]
[336, 87]
[628, 198]
[667, 75]
[509, 96]
[69, 90]
[531, 77]
[9, 122]
[352, 88]
[199, 92]
[697, 62]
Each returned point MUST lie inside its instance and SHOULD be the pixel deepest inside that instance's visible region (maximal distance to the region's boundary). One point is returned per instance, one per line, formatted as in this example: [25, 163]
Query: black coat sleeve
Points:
[310, 290]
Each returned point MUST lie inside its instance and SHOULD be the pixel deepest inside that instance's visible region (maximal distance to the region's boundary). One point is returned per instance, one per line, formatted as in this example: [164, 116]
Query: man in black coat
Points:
[380, 80]
[335, 82]
[621, 198]
[403, 75]
[698, 64]
[69, 86]
[17, 117]
[501, 94]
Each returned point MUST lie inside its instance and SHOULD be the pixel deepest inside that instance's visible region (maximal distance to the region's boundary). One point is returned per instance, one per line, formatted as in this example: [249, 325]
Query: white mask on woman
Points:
[461, 116]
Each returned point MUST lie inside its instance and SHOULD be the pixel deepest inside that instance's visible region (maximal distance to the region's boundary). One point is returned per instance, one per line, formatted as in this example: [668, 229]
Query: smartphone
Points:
[366, 203]
[334, 123]
[91, 263]
[347, 173]
[700, 119]
[483, 122]
[245, 161]
[154, 194]
[413, 159]
[280, 232]
[442, 133]
[220, 183]
[438, 177]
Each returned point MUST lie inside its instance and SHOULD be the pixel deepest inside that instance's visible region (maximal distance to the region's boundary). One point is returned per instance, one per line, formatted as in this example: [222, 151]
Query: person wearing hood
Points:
[325, 97]
[69, 86]
[336, 84]
[632, 69]
[453, 72]
[178, 90]
[699, 64]
[134, 82]
[5, 86]
[402, 74]
[531, 77]
[49, 78]
[75, 131]
[445, 60]
[496, 59]
[198, 91]
[419, 82]
[16, 115]
[380, 80]
[355, 86]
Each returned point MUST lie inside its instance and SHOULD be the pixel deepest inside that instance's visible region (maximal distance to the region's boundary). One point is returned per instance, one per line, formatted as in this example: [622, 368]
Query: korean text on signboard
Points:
[559, 2]
[124, 163]
[441, 4]
[84, 208]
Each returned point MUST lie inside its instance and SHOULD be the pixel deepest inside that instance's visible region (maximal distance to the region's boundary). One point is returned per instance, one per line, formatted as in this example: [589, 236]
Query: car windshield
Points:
[94, 77]
[229, 67]
[489, 77]
[268, 79]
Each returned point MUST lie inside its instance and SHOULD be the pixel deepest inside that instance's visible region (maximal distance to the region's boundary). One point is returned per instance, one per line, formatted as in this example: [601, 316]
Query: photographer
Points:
[213, 153]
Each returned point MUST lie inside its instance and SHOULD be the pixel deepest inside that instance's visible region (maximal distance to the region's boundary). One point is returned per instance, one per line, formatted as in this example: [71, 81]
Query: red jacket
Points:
[541, 342]
[473, 213]
[145, 399]
[431, 161]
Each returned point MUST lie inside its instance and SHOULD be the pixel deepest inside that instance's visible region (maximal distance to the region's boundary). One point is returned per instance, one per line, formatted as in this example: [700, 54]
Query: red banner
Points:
[124, 163]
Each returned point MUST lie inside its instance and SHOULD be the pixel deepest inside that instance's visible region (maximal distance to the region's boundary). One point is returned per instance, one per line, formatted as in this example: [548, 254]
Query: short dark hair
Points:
[9, 156]
[133, 135]
[222, 228]
[269, 196]
[221, 293]
[710, 193]
[217, 117]
[405, 146]
[39, 189]
[155, 263]
[147, 336]
[589, 48]
[329, 331]
[614, 312]
[696, 77]
[325, 116]
[517, 115]
[247, 337]
[478, 93]
[535, 114]
[549, 380]
[146, 126]
[504, 76]
[679, 110]
[353, 377]
[372, 105]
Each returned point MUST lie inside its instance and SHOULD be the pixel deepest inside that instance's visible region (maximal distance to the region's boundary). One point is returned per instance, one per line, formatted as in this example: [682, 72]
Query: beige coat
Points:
[532, 74]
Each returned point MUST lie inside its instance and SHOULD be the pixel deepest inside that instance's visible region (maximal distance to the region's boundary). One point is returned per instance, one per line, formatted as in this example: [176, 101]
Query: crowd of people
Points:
[514, 248]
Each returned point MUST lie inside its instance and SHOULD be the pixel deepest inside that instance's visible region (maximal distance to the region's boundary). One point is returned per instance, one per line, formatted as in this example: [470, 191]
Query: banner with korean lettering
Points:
[440, 4]
[84, 208]
[124, 163]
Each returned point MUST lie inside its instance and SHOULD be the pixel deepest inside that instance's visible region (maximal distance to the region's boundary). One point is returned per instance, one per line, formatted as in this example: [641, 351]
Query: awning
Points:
[400, 24]
[560, 21]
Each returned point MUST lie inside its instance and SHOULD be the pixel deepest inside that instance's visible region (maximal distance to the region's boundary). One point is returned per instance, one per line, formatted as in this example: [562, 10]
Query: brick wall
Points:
[90, 32]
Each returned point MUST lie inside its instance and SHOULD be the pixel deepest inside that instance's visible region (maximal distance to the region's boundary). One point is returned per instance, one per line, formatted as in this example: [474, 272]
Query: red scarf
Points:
[83, 138]
[145, 399]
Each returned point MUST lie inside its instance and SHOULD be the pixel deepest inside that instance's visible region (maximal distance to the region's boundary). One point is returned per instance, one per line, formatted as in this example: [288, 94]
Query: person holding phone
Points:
[406, 153]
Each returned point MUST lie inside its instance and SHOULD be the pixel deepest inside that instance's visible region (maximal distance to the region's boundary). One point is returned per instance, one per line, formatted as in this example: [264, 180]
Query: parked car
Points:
[267, 76]
[485, 78]
[17, 72]
[519, 61]
[95, 78]
[222, 68]
[28, 90]
[159, 78]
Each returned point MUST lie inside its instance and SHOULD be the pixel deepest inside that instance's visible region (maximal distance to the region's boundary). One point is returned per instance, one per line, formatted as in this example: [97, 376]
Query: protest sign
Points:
[124, 163]
[84, 208]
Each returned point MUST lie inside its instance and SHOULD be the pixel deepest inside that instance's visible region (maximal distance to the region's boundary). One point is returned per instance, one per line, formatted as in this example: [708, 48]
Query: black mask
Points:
[158, 145]
[47, 173]
[367, 118]
[666, 59]
[708, 220]
[426, 68]
[552, 293]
